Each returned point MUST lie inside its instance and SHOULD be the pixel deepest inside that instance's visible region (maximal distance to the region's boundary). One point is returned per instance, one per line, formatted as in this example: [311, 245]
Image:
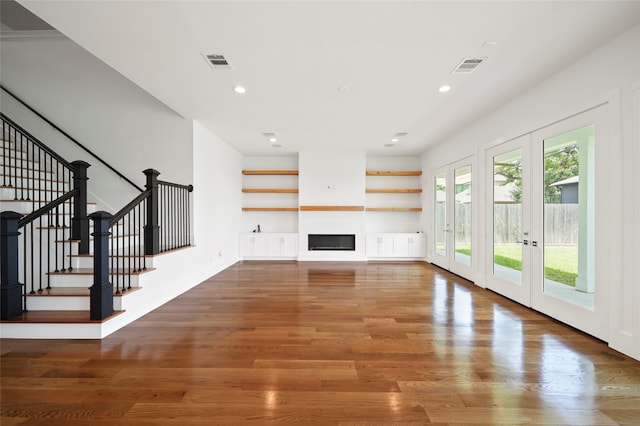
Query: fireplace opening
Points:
[332, 242]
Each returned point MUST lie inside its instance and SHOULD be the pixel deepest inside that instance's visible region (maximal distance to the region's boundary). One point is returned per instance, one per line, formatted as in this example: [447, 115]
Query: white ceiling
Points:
[293, 56]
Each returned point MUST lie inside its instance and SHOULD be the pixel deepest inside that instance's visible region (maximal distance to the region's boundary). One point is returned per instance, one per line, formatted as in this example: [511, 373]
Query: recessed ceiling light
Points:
[394, 140]
[389, 145]
[444, 88]
[240, 90]
[273, 139]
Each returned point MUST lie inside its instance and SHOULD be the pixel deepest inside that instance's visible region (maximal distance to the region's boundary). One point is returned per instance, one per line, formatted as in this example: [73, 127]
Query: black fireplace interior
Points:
[332, 242]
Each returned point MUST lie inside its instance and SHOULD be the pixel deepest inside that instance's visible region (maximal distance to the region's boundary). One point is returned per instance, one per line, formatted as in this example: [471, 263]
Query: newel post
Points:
[101, 292]
[152, 228]
[10, 288]
[80, 220]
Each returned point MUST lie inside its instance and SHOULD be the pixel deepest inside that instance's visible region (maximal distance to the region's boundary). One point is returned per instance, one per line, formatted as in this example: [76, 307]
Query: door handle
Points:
[534, 243]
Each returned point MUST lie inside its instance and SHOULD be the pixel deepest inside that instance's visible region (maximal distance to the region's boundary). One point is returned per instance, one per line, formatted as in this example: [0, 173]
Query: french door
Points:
[542, 224]
[454, 233]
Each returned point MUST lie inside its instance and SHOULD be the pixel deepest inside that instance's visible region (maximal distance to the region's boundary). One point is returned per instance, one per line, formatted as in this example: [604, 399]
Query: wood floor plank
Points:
[327, 343]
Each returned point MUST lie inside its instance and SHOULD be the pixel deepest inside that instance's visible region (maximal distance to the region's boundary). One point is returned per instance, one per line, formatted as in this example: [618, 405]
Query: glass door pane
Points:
[507, 216]
[441, 225]
[462, 215]
[569, 217]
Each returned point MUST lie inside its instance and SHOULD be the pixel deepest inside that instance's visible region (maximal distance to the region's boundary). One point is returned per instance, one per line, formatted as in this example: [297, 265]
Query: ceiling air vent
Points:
[218, 62]
[468, 65]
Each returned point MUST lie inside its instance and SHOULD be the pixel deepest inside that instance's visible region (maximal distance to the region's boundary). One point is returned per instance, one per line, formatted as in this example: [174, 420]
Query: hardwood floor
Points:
[325, 343]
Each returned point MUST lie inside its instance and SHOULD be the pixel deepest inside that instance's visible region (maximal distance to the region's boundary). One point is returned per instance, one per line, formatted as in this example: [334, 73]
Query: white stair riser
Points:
[83, 262]
[66, 303]
[21, 161]
[76, 280]
[44, 182]
[10, 194]
[58, 303]
[24, 173]
[13, 153]
[25, 207]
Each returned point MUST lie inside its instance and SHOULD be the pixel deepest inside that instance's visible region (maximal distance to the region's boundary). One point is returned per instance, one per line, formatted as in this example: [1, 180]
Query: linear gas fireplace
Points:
[332, 242]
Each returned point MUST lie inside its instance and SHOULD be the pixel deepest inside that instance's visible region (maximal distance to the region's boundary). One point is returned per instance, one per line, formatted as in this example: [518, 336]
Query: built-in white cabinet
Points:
[392, 245]
[268, 245]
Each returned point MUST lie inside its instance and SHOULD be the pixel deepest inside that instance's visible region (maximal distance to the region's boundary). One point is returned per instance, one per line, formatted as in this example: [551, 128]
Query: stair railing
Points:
[156, 221]
[34, 245]
[37, 175]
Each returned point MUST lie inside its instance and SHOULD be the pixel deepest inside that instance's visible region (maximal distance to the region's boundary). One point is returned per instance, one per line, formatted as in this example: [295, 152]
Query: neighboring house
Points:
[568, 190]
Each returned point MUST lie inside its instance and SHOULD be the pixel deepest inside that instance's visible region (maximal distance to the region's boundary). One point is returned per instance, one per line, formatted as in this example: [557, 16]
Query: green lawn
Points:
[561, 262]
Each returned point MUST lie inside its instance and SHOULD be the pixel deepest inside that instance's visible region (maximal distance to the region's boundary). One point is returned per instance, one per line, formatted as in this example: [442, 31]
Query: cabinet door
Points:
[371, 246]
[403, 244]
[276, 246]
[290, 246]
[409, 245]
[252, 246]
[379, 246]
[283, 246]
[417, 247]
[244, 245]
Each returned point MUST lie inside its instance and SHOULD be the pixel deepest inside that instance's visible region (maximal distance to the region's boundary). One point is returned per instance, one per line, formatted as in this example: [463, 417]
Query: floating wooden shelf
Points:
[395, 191]
[394, 173]
[270, 190]
[332, 208]
[394, 209]
[269, 172]
[269, 209]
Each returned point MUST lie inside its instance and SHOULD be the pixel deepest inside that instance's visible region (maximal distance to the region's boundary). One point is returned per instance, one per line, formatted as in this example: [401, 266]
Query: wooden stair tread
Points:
[138, 249]
[74, 291]
[89, 271]
[58, 317]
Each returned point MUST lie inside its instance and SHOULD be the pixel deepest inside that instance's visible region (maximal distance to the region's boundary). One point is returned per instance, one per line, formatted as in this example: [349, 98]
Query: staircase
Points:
[56, 262]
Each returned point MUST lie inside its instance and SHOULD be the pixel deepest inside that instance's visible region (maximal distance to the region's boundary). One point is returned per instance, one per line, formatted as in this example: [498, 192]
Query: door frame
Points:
[594, 322]
[448, 261]
[521, 292]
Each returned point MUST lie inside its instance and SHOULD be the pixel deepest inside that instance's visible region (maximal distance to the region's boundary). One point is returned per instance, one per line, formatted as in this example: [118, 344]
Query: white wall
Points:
[127, 127]
[332, 179]
[217, 202]
[607, 75]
